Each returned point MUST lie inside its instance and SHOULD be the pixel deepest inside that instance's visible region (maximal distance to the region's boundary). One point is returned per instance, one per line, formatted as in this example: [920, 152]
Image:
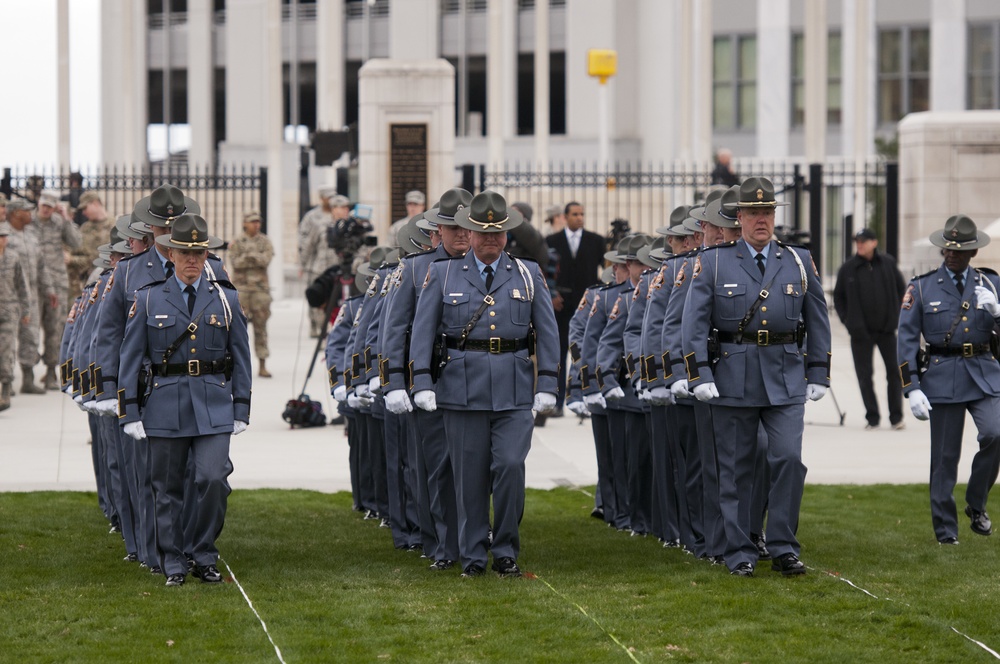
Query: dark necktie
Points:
[760, 263]
[960, 283]
[168, 267]
[488, 270]
[190, 292]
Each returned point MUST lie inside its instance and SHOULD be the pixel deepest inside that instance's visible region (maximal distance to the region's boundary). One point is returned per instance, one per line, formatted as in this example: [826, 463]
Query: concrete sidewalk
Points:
[44, 440]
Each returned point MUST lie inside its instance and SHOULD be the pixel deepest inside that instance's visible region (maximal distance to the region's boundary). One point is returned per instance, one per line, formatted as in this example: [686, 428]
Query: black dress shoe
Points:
[558, 412]
[175, 580]
[155, 571]
[743, 569]
[371, 514]
[207, 573]
[597, 513]
[949, 541]
[442, 565]
[540, 419]
[131, 558]
[672, 544]
[981, 524]
[717, 560]
[788, 565]
[473, 571]
[506, 567]
[761, 544]
[338, 420]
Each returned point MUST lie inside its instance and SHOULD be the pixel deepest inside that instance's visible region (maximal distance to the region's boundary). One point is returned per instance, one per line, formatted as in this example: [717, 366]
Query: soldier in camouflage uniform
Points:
[249, 256]
[56, 234]
[15, 301]
[94, 232]
[37, 273]
[316, 255]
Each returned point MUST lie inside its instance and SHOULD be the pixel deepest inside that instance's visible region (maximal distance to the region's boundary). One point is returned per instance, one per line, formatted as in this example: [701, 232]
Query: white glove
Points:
[919, 405]
[134, 430]
[705, 392]
[354, 401]
[362, 391]
[579, 408]
[340, 393]
[645, 396]
[595, 400]
[239, 426]
[107, 407]
[679, 389]
[78, 399]
[815, 392]
[614, 394]
[397, 402]
[375, 385]
[985, 299]
[662, 396]
[426, 400]
[68, 389]
[544, 402]
[89, 406]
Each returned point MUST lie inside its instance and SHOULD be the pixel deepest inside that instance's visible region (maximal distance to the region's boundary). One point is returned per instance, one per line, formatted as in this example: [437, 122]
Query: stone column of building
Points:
[413, 30]
[773, 73]
[201, 93]
[589, 24]
[661, 64]
[123, 82]
[948, 50]
[62, 94]
[501, 76]
[858, 86]
[816, 68]
[542, 81]
[330, 87]
[700, 129]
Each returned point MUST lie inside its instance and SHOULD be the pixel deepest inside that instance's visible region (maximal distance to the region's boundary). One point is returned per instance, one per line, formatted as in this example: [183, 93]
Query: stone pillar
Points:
[773, 74]
[413, 30]
[815, 80]
[659, 36]
[701, 128]
[948, 50]
[501, 76]
[330, 65]
[123, 82]
[201, 92]
[62, 91]
[858, 88]
[589, 24]
[542, 82]
[404, 92]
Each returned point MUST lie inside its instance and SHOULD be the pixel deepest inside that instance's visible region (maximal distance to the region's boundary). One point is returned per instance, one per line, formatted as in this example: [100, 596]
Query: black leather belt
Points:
[491, 345]
[758, 337]
[965, 350]
[192, 368]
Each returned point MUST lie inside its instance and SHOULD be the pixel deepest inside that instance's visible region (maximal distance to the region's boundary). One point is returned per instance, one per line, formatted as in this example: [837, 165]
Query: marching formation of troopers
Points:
[155, 350]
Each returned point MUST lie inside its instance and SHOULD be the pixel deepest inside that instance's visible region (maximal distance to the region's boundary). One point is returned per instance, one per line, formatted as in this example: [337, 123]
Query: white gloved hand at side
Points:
[679, 389]
[398, 402]
[375, 385]
[985, 299]
[340, 393]
[614, 394]
[354, 401]
[662, 396]
[134, 430]
[919, 405]
[544, 402]
[362, 391]
[579, 408]
[89, 406]
[239, 426]
[426, 400]
[815, 392]
[78, 400]
[595, 400]
[645, 395]
[706, 392]
[107, 407]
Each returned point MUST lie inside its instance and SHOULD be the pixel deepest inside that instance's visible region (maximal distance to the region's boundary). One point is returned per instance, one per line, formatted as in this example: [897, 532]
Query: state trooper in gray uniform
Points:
[188, 336]
[435, 478]
[338, 361]
[764, 303]
[955, 309]
[493, 310]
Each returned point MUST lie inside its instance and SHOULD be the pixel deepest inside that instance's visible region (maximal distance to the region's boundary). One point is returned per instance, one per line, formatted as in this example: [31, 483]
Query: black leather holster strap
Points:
[758, 337]
[192, 368]
[965, 350]
[491, 345]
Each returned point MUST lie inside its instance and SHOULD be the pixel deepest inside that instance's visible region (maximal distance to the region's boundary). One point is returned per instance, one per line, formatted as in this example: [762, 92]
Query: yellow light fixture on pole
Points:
[602, 64]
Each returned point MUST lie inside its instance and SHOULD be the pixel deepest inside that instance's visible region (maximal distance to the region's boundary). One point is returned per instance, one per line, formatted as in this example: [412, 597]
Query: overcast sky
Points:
[28, 118]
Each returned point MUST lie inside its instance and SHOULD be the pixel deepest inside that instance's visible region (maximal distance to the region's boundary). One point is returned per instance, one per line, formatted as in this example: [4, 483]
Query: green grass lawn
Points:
[330, 587]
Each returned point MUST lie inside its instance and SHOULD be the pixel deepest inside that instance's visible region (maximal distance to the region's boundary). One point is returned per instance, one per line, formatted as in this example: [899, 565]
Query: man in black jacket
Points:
[867, 298]
[581, 256]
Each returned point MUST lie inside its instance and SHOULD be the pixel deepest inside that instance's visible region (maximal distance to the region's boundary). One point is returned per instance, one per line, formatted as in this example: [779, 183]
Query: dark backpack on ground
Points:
[304, 412]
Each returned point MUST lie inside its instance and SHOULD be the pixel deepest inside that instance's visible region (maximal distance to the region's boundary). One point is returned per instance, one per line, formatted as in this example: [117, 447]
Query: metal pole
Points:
[263, 199]
[797, 195]
[602, 126]
[892, 209]
[166, 79]
[816, 214]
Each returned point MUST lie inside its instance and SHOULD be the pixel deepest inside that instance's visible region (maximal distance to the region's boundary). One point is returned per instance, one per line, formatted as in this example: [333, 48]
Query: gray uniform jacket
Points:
[616, 368]
[600, 310]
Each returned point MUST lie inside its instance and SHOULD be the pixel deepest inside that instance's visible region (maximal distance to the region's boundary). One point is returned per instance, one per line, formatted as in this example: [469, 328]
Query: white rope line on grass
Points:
[277, 650]
[592, 619]
[982, 645]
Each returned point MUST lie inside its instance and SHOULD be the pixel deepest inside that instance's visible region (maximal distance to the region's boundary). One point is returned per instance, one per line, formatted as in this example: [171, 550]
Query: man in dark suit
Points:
[581, 255]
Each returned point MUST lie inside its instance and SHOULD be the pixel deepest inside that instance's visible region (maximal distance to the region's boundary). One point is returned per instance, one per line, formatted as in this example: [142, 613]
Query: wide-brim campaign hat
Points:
[714, 215]
[645, 254]
[488, 213]
[608, 275]
[628, 248]
[661, 253]
[163, 206]
[677, 217]
[698, 212]
[122, 247]
[103, 259]
[189, 231]
[959, 234]
[411, 237]
[757, 192]
[443, 214]
[376, 259]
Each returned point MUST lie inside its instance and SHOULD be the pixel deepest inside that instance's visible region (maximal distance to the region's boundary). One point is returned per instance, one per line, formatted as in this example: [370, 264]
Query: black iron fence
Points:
[823, 198]
[225, 194]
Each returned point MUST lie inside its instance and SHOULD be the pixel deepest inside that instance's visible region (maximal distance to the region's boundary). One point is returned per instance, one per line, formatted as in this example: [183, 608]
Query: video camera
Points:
[347, 236]
[619, 229]
[790, 235]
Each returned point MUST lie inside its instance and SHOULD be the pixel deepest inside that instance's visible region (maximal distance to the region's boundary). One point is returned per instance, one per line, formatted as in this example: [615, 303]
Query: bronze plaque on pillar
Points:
[408, 164]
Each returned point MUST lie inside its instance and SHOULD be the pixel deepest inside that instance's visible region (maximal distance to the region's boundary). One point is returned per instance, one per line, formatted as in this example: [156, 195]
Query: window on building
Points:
[903, 72]
[351, 94]
[734, 82]
[983, 66]
[834, 104]
[157, 110]
[526, 93]
[305, 106]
